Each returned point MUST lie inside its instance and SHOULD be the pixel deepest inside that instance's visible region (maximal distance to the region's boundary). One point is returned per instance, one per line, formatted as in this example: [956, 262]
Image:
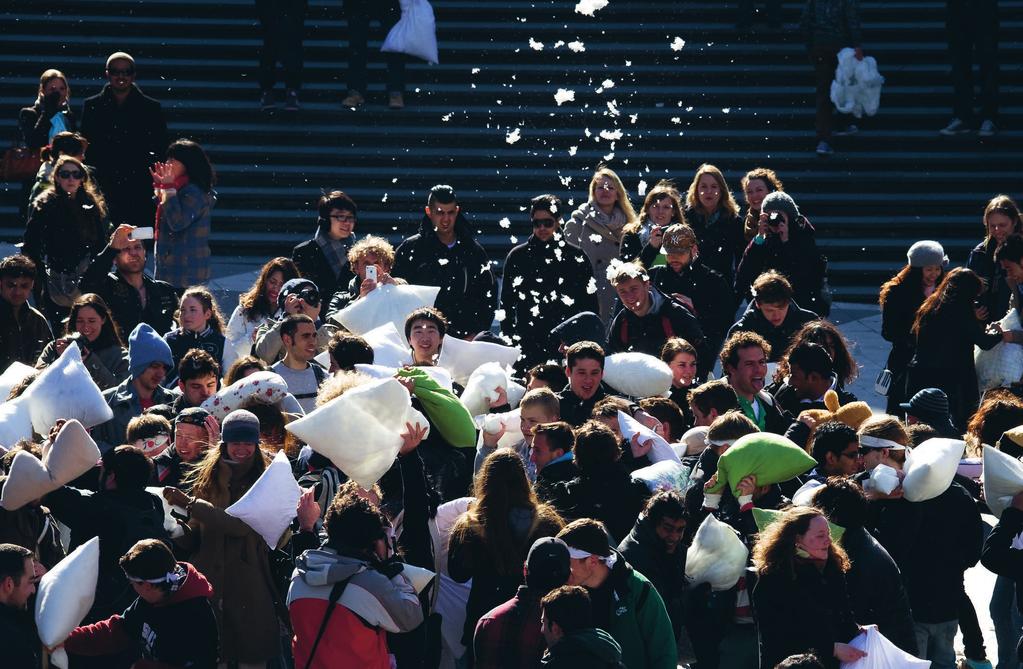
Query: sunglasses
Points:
[118, 72]
[543, 222]
[71, 174]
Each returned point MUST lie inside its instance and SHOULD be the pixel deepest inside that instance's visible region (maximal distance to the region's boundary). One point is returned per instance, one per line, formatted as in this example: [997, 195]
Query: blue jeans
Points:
[1007, 620]
[935, 642]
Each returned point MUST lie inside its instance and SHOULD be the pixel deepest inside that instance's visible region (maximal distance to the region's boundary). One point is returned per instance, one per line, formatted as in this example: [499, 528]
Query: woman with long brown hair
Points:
[490, 540]
[711, 211]
[1001, 219]
[900, 298]
[642, 238]
[255, 307]
[99, 340]
[756, 185]
[947, 327]
[800, 596]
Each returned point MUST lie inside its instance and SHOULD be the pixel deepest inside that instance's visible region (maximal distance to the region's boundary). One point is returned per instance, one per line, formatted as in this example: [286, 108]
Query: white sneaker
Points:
[824, 149]
[850, 129]
[955, 127]
[987, 129]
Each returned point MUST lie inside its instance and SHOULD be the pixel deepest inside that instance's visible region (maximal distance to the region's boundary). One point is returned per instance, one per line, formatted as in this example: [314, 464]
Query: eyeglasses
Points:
[852, 456]
[342, 218]
[544, 222]
[121, 72]
[71, 174]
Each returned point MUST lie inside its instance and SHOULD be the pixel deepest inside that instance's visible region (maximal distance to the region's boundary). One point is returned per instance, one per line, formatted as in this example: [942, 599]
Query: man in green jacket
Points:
[625, 604]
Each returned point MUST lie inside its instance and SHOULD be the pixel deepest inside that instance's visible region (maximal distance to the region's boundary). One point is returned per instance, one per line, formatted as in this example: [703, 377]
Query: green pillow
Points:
[765, 517]
[771, 457]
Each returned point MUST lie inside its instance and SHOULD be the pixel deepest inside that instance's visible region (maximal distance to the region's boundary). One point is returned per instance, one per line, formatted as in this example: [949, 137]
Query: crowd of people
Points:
[570, 553]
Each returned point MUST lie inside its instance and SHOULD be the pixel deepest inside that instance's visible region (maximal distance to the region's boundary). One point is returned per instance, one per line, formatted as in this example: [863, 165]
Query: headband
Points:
[718, 442]
[878, 442]
[608, 560]
[173, 578]
[150, 444]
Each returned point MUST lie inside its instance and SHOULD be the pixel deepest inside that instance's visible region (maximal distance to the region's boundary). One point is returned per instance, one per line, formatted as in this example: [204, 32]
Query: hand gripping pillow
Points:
[881, 653]
[930, 468]
[462, 358]
[360, 431]
[438, 374]
[1002, 479]
[663, 475]
[771, 457]
[661, 449]
[764, 517]
[269, 506]
[1002, 365]
[15, 422]
[170, 524]
[66, 390]
[389, 347]
[267, 387]
[716, 556]
[482, 387]
[65, 594]
[72, 453]
[387, 303]
[15, 373]
[511, 421]
[637, 374]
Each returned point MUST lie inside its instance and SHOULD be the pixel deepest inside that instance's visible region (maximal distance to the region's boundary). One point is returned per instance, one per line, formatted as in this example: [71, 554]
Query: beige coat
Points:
[600, 236]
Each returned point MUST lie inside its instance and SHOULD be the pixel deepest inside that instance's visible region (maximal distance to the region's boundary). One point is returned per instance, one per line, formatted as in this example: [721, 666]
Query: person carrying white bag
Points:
[358, 14]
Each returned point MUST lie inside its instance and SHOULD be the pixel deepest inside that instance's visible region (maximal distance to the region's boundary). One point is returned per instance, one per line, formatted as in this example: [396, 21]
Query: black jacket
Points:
[34, 124]
[342, 297]
[789, 401]
[19, 639]
[553, 277]
[590, 648]
[574, 410]
[63, 231]
[23, 336]
[808, 611]
[647, 334]
[170, 470]
[897, 315]
[124, 300]
[1000, 556]
[608, 494]
[181, 342]
[712, 297]
[553, 474]
[997, 295]
[666, 571]
[752, 320]
[583, 326]
[876, 591]
[313, 265]
[799, 260]
[721, 241]
[467, 290]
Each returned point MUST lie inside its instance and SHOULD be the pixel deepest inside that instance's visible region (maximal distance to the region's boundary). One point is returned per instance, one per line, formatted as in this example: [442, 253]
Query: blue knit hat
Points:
[146, 347]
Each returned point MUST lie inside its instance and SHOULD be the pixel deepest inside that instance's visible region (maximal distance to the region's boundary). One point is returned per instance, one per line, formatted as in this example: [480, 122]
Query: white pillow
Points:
[637, 374]
[360, 431]
[692, 442]
[716, 556]
[660, 451]
[510, 420]
[387, 303]
[663, 475]
[66, 390]
[804, 496]
[27, 480]
[462, 358]
[438, 374]
[267, 387]
[72, 453]
[170, 525]
[65, 594]
[441, 526]
[389, 347]
[884, 479]
[515, 390]
[1002, 479]
[930, 468]
[15, 422]
[269, 506]
[481, 388]
[15, 373]
[418, 576]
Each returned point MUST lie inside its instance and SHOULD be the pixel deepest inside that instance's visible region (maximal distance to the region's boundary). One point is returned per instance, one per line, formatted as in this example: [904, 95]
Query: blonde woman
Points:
[642, 238]
[713, 215]
[597, 228]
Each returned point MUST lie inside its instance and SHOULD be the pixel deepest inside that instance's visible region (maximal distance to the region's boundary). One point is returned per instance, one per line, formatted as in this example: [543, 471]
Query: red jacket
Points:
[509, 636]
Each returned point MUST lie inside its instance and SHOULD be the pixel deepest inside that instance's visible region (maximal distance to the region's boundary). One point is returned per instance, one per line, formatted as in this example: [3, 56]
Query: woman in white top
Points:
[255, 306]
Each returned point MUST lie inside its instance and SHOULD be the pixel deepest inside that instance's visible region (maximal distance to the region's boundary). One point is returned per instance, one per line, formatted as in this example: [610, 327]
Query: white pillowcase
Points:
[66, 390]
[930, 468]
[15, 373]
[65, 594]
[170, 524]
[663, 475]
[389, 346]
[269, 506]
[267, 387]
[660, 451]
[716, 556]
[637, 374]
[72, 453]
[1002, 479]
[462, 358]
[15, 422]
[481, 389]
[387, 303]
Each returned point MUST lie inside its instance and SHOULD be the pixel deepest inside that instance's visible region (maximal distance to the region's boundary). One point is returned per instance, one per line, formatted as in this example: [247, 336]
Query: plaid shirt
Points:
[509, 636]
[182, 246]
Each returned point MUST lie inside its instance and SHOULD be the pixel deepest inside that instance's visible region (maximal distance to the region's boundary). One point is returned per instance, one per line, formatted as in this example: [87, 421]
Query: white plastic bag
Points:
[267, 387]
[1002, 479]
[660, 451]
[856, 88]
[387, 303]
[1002, 365]
[462, 358]
[482, 387]
[360, 431]
[15, 373]
[930, 468]
[66, 390]
[882, 653]
[716, 556]
[637, 374]
[65, 594]
[415, 33]
[663, 475]
[269, 506]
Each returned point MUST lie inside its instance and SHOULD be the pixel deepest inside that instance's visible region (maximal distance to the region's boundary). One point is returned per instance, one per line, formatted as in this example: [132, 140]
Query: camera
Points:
[310, 296]
[774, 219]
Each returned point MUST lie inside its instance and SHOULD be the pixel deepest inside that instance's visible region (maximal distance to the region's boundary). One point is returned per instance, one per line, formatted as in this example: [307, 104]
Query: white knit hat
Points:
[925, 253]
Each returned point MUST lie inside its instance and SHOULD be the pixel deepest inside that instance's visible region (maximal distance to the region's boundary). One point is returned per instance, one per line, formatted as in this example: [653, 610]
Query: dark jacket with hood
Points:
[180, 632]
[313, 265]
[19, 639]
[467, 290]
[1000, 555]
[996, 297]
[35, 122]
[647, 553]
[183, 341]
[720, 239]
[752, 320]
[607, 493]
[665, 319]
[712, 296]
[23, 335]
[799, 260]
[124, 301]
[574, 410]
[553, 277]
[589, 648]
[584, 326]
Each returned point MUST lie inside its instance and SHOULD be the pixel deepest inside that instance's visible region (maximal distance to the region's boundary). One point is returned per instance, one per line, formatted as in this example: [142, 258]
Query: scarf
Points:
[335, 251]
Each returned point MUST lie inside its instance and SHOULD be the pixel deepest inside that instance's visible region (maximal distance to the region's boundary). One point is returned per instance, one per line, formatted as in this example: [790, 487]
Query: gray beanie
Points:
[240, 425]
[925, 253]
[783, 202]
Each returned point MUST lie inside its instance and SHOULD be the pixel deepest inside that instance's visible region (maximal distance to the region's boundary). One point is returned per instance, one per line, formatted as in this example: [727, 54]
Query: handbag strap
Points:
[335, 594]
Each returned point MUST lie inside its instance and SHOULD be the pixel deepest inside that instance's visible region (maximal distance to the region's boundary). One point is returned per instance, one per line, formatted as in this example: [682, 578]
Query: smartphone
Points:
[371, 272]
[141, 233]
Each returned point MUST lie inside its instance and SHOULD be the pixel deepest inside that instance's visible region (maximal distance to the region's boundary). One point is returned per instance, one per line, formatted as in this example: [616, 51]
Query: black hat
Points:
[193, 416]
[547, 565]
[294, 286]
[930, 405]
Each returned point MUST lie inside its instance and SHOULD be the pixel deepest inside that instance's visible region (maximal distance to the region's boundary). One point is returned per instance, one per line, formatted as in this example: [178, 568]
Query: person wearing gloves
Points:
[233, 556]
[331, 630]
[572, 640]
[623, 601]
[149, 362]
[170, 624]
[297, 296]
[785, 242]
